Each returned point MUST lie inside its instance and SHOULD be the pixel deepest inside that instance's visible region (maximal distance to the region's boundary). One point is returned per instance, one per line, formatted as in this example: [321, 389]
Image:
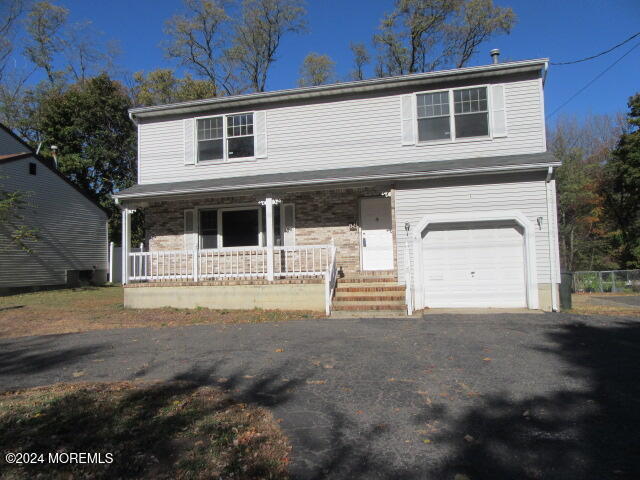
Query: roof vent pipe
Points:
[54, 154]
[495, 55]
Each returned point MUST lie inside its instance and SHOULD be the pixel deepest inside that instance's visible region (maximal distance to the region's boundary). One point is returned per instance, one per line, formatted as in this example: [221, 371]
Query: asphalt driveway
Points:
[479, 396]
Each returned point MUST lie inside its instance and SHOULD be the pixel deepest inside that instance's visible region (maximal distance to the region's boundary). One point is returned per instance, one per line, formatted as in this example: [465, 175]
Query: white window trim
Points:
[225, 154]
[452, 122]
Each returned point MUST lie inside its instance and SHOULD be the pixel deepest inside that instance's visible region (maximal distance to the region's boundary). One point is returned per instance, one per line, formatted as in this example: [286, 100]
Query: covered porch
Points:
[284, 244]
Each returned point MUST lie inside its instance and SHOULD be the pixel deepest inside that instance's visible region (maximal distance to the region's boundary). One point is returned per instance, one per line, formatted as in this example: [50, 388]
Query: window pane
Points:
[433, 104]
[240, 147]
[470, 100]
[209, 228]
[240, 228]
[433, 129]
[210, 150]
[472, 125]
[210, 128]
[238, 125]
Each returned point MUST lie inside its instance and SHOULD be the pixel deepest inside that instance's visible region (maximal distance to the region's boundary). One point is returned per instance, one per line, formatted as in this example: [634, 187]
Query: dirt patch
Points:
[132, 430]
[99, 308]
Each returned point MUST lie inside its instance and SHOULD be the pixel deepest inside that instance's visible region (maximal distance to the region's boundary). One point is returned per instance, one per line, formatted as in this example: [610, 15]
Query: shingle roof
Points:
[402, 171]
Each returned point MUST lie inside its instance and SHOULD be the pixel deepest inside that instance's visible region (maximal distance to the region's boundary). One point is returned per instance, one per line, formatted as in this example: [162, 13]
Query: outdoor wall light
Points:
[539, 223]
[407, 226]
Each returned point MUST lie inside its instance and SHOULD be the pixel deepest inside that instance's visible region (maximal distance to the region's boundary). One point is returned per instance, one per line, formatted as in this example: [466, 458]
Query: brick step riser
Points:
[389, 288]
[367, 298]
[367, 279]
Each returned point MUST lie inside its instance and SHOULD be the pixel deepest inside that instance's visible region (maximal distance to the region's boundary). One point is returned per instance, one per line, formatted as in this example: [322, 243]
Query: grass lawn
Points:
[150, 431]
[96, 308]
[602, 304]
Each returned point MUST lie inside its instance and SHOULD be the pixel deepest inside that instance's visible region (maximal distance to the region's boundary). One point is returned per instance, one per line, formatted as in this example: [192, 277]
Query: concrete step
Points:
[367, 301]
[369, 314]
[360, 306]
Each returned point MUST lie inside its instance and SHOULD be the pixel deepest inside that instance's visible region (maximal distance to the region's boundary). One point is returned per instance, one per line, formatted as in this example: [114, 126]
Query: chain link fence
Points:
[607, 281]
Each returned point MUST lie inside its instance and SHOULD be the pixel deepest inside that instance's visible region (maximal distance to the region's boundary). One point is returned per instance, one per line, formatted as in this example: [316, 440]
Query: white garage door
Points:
[474, 267]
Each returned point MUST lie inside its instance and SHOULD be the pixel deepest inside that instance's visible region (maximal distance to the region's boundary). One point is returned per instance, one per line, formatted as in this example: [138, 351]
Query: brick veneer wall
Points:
[320, 215]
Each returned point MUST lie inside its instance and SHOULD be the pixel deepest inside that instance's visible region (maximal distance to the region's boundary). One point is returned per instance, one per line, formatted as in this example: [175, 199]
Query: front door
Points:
[377, 236]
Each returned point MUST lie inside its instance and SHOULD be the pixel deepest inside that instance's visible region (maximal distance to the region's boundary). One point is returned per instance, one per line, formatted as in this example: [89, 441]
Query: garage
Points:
[480, 264]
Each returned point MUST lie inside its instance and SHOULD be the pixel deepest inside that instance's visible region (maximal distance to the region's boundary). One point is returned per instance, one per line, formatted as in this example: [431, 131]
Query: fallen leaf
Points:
[316, 382]
[78, 374]
[359, 412]
[279, 350]
[426, 440]
[486, 359]
[469, 438]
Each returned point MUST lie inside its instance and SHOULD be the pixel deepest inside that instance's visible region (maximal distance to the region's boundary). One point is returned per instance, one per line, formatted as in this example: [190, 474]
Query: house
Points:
[420, 191]
[70, 227]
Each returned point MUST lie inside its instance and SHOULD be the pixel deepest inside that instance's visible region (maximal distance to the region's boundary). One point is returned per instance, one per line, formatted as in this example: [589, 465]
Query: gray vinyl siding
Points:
[72, 230]
[523, 192]
[9, 145]
[341, 133]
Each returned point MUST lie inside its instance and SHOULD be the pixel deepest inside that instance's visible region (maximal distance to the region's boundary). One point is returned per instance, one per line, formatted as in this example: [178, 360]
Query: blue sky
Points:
[559, 29]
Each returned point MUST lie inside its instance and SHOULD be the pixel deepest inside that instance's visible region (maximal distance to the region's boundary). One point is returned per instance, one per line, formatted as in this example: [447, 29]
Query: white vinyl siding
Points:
[72, 230]
[526, 193]
[341, 133]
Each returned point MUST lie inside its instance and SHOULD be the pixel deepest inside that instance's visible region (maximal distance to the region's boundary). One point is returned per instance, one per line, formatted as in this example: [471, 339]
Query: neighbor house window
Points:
[225, 137]
[470, 114]
[32, 168]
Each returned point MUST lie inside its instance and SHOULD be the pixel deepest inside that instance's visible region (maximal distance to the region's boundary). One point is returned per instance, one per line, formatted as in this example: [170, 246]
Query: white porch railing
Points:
[237, 263]
[229, 263]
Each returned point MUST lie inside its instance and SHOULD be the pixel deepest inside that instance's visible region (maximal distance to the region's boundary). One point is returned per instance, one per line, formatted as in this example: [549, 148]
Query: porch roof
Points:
[401, 171]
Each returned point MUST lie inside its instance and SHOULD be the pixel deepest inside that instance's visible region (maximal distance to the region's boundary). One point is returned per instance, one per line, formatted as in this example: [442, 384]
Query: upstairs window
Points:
[453, 114]
[471, 112]
[433, 117]
[210, 139]
[225, 137]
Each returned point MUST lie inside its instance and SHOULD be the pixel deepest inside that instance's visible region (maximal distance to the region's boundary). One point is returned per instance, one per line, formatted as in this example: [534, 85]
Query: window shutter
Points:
[190, 230]
[408, 120]
[189, 141]
[260, 120]
[499, 113]
[289, 222]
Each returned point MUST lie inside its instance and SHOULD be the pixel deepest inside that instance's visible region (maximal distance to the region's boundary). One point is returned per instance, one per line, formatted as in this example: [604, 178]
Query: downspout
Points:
[552, 263]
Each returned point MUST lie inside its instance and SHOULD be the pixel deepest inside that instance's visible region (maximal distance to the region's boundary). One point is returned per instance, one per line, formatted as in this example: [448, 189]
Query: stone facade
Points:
[320, 216]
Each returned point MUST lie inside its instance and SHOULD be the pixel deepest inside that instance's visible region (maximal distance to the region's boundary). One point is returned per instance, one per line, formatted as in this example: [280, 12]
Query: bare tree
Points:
[45, 22]
[199, 40]
[10, 11]
[258, 35]
[84, 52]
[421, 35]
[476, 21]
[361, 58]
[316, 70]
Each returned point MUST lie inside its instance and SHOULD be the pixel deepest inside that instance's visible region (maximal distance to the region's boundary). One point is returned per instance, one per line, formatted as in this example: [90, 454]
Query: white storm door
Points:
[376, 238]
[474, 267]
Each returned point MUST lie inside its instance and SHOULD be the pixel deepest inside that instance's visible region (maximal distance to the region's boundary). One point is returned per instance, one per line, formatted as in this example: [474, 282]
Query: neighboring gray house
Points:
[420, 191]
[71, 228]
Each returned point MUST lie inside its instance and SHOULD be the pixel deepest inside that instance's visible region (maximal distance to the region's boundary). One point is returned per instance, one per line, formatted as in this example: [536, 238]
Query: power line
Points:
[597, 54]
[593, 80]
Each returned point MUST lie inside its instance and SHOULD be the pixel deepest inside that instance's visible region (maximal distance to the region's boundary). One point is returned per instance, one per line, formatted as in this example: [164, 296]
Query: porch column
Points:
[126, 243]
[269, 212]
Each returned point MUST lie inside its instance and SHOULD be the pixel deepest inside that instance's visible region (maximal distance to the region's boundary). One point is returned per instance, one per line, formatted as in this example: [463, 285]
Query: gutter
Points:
[399, 176]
